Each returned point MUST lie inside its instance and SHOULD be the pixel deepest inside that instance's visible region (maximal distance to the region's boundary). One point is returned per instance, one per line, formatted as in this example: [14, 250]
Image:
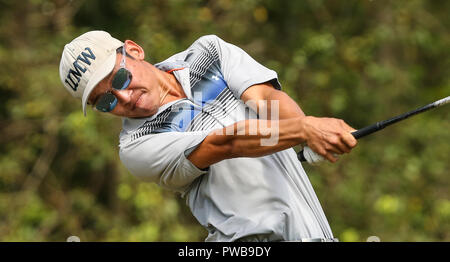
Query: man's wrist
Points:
[302, 127]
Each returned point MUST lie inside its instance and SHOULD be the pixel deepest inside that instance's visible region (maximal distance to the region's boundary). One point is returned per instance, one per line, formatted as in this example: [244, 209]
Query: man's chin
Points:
[143, 113]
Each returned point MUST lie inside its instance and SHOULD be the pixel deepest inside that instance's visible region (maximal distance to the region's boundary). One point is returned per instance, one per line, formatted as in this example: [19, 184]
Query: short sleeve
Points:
[240, 70]
[161, 158]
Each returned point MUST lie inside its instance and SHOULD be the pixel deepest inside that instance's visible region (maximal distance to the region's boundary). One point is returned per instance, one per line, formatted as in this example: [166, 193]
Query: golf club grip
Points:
[367, 130]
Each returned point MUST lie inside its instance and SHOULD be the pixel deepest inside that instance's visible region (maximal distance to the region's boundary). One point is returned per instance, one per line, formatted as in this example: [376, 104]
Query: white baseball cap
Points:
[86, 61]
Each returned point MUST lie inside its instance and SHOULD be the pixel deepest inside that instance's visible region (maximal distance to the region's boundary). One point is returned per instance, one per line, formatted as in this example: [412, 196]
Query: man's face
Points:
[141, 98]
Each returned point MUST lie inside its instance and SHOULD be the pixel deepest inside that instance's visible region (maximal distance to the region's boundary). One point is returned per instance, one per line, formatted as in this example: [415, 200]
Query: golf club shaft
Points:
[382, 124]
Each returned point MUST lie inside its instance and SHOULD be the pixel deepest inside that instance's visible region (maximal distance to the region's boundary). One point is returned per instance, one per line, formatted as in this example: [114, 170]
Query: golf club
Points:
[382, 124]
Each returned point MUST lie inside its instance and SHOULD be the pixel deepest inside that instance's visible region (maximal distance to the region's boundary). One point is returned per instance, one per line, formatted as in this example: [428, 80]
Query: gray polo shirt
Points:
[268, 196]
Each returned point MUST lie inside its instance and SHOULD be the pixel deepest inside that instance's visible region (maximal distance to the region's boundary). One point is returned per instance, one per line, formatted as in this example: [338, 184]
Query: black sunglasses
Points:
[122, 79]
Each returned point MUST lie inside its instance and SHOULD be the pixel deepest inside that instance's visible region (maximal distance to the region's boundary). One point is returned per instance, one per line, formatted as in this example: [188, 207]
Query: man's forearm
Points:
[254, 138]
[248, 138]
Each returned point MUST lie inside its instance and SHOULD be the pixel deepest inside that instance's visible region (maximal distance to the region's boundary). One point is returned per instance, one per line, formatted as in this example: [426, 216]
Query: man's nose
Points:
[122, 95]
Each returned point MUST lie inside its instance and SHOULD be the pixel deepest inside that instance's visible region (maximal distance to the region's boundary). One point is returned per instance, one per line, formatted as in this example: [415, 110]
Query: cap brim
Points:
[106, 68]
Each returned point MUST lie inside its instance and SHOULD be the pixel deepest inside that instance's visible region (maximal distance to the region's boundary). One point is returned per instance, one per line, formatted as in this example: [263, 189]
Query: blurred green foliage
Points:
[359, 60]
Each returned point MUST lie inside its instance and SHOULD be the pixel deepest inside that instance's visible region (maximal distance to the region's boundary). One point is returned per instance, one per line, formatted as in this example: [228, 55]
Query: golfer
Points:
[212, 124]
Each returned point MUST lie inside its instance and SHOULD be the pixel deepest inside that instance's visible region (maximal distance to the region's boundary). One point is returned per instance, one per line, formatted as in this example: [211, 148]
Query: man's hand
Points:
[328, 136]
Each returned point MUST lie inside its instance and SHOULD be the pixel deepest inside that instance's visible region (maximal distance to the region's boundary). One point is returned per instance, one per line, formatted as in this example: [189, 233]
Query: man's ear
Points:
[134, 50]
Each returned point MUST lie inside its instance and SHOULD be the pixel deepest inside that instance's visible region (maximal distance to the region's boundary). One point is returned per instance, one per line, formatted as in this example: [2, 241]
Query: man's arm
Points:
[243, 139]
[324, 135]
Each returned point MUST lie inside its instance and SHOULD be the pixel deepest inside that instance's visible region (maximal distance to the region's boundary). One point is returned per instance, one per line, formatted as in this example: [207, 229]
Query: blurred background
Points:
[359, 60]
